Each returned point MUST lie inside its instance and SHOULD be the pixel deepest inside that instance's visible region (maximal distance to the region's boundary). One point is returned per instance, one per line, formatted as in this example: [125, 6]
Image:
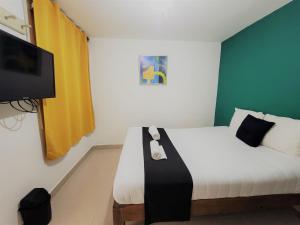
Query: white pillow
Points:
[284, 136]
[239, 116]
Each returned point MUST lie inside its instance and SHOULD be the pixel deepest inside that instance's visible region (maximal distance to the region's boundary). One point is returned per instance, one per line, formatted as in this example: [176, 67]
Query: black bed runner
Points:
[168, 183]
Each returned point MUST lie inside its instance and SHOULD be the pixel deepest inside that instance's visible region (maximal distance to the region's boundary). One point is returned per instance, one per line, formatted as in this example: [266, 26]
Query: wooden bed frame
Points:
[135, 212]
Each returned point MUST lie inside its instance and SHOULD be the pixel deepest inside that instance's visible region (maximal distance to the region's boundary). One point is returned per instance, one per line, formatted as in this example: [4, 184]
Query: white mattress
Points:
[221, 166]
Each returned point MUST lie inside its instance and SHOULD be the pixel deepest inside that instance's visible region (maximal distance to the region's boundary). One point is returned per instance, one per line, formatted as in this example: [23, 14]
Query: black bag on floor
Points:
[35, 208]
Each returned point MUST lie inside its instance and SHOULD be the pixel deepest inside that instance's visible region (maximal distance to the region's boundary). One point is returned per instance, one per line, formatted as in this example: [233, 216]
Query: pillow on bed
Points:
[239, 116]
[253, 130]
[284, 136]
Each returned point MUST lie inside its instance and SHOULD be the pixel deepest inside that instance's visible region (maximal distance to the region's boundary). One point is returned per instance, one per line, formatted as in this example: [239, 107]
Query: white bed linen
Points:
[221, 166]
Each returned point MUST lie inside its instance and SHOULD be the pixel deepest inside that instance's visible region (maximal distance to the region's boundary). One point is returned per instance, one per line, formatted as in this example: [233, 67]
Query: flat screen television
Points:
[26, 71]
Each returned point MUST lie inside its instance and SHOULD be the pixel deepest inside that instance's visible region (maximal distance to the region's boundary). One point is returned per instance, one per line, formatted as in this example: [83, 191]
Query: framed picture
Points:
[153, 70]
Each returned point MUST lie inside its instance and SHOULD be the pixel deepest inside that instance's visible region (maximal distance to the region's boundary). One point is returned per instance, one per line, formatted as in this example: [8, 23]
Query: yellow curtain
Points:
[69, 116]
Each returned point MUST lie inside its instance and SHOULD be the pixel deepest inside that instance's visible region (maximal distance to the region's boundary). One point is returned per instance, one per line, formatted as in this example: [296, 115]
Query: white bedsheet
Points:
[221, 166]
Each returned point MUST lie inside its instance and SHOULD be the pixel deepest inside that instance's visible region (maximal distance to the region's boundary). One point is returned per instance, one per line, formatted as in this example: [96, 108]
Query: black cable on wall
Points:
[27, 105]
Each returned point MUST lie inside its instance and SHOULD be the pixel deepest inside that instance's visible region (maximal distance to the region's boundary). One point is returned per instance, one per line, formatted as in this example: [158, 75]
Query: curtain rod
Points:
[64, 12]
[87, 37]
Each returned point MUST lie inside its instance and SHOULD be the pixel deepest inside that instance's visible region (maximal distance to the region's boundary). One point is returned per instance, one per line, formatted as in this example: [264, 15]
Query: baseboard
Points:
[101, 147]
[69, 174]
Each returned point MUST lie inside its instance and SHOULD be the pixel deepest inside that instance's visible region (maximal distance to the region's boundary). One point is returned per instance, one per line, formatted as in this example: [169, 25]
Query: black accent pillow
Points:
[253, 130]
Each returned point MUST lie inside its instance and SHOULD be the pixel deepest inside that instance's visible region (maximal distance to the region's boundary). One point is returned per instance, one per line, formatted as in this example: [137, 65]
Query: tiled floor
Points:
[86, 199]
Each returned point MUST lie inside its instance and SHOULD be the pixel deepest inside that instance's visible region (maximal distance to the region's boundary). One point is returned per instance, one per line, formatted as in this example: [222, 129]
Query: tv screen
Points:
[26, 71]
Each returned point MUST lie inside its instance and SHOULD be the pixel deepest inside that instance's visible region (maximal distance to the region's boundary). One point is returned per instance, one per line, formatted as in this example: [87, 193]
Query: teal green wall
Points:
[260, 67]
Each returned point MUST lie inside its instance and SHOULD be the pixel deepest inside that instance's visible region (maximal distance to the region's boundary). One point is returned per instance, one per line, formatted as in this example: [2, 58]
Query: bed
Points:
[264, 178]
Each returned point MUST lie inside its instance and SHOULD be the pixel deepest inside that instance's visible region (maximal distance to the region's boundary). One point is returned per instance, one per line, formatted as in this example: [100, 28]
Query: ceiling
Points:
[190, 20]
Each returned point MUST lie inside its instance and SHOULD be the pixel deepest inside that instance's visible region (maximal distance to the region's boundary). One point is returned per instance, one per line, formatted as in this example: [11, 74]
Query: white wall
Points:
[22, 165]
[120, 101]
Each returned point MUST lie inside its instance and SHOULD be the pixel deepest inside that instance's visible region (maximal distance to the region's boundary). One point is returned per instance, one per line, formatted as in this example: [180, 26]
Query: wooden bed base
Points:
[123, 213]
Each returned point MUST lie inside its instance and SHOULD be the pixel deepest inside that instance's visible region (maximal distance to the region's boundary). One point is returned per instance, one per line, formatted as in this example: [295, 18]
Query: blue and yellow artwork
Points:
[153, 70]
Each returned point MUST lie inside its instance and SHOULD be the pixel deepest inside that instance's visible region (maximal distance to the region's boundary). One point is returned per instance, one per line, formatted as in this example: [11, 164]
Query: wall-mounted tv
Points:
[26, 71]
